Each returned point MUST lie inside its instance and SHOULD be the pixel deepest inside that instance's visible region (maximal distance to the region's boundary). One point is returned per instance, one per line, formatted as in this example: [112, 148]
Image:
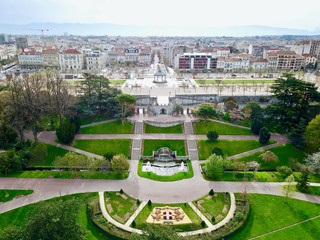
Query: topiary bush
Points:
[218, 151]
[77, 123]
[65, 133]
[264, 135]
[212, 135]
[211, 192]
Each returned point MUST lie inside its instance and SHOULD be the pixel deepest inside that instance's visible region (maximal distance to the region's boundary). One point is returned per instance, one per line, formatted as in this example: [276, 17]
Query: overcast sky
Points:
[277, 13]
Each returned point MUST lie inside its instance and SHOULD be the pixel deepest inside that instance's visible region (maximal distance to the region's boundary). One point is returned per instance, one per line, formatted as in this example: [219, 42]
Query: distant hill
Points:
[127, 30]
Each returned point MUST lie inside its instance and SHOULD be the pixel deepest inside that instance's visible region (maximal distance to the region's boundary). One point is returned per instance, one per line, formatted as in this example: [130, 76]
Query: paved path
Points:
[210, 226]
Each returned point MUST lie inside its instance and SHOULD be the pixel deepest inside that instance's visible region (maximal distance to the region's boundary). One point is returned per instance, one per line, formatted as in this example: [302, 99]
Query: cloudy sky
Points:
[276, 13]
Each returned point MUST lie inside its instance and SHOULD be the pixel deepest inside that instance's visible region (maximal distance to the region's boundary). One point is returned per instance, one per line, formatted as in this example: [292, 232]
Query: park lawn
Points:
[306, 231]
[19, 216]
[120, 206]
[269, 213]
[214, 205]
[288, 156]
[52, 153]
[153, 129]
[68, 174]
[103, 146]
[313, 190]
[154, 145]
[114, 127]
[203, 127]
[195, 219]
[175, 177]
[100, 118]
[233, 81]
[113, 81]
[7, 195]
[229, 147]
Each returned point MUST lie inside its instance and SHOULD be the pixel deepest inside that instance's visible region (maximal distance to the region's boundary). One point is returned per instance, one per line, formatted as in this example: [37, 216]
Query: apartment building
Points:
[94, 61]
[30, 60]
[50, 58]
[196, 61]
[71, 59]
[284, 60]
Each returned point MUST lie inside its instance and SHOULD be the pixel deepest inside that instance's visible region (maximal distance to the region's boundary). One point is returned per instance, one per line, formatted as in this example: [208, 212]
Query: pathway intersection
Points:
[186, 190]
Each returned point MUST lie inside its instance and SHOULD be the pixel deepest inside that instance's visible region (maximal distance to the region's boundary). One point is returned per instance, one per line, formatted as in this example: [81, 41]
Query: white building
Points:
[95, 61]
[7, 51]
[310, 59]
[260, 64]
[30, 60]
[71, 59]
[50, 57]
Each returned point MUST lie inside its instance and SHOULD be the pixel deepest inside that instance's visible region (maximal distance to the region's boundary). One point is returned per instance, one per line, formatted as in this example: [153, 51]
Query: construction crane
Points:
[42, 30]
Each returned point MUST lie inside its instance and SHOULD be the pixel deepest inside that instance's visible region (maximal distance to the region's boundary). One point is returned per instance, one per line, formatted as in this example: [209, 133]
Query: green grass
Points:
[8, 195]
[101, 147]
[214, 205]
[269, 213]
[233, 81]
[175, 177]
[229, 147]
[52, 153]
[305, 231]
[67, 174]
[288, 156]
[153, 129]
[114, 127]
[120, 205]
[19, 217]
[203, 127]
[154, 145]
[113, 81]
[313, 190]
[145, 212]
[88, 120]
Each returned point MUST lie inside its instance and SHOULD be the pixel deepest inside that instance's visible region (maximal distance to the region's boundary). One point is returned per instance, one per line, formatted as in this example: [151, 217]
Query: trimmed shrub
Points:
[211, 192]
[218, 151]
[213, 219]
[109, 155]
[212, 135]
[65, 133]
[149, 203]
[264, 135]
[121, 191]
[284, 171]
[203, 224]
[77, 122]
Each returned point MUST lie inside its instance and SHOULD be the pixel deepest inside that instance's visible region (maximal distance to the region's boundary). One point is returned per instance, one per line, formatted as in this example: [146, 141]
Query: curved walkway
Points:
[210, 227]
[144, 189]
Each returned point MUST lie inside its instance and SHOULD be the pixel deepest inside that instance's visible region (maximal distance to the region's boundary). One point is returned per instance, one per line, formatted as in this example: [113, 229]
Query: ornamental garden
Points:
[156, 163]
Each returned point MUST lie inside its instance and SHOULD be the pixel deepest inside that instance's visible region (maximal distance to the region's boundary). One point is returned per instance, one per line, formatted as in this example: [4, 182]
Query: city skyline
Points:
[205, 14]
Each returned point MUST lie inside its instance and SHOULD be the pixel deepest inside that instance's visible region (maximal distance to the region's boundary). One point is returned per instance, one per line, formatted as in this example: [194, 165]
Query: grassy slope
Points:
[101, 147]
[203, 127]
[154, 145]
[272, 212]
[19, 216]
[287, 155]
[8, 195]
[53, 153]
[153, 129]
[230, 148]
[175, 177]
[115, 127]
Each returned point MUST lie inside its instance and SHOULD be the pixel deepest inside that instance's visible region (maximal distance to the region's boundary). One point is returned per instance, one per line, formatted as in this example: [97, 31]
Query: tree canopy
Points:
[293, 99]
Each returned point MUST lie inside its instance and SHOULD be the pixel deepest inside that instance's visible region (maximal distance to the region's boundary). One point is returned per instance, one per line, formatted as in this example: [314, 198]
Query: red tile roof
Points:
[71, 51]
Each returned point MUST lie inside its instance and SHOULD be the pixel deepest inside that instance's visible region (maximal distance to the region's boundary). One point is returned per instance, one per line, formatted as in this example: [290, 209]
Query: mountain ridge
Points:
[132, 30]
